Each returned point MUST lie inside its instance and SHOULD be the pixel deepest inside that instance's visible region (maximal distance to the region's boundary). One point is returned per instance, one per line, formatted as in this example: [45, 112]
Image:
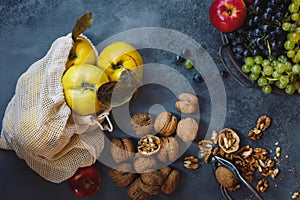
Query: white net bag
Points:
[40, 127]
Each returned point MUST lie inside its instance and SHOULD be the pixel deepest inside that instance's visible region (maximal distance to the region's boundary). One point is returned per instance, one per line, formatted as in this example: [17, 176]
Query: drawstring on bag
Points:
[92, 120]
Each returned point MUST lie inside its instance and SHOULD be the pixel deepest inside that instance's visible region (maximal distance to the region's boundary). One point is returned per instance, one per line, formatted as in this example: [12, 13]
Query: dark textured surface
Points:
[29, 27]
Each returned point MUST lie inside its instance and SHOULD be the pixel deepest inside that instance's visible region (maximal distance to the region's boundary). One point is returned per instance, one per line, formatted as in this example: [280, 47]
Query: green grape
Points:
[289, 45]
[256, 69]
[284, 80]
[290, 89]
[297, 30]
[188, 64]
[280, 68]
[295, 59]
[280, 85]
[271, 58]
[268, 70]
[291, 53]
[246, 68]
[296, 69]
[286, 26]
[289, 35]
[295, 16]
[258, 59]
[262, 81]
[266, 62]
[298, 55]
[253, 77]
[288, 66]
[298, 33]
[276, 75]
[293, 37]
[293, 8]
[282, 59]
[298, 90]
[274, 63]
[296, 2]
[249, 61]
[267, 89]
[293, 28]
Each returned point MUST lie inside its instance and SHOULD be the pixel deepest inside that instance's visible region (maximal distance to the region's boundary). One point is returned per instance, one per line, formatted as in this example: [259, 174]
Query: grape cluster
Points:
[268, 44]
[262, 32]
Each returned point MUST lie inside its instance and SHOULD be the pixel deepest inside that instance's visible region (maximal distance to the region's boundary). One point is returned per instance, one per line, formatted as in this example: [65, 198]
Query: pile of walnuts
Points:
[136, 167]
[248, 160]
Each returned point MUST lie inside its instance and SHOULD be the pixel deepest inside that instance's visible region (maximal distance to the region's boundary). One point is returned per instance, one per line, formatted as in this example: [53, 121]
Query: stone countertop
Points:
[27, 32]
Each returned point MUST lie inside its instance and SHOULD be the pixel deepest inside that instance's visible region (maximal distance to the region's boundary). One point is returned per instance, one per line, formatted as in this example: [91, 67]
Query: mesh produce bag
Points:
[41, 128]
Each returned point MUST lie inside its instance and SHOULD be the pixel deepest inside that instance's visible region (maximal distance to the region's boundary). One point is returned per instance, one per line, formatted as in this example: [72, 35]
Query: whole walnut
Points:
[169, 150]
[141, 124]
[187, 129]
[171, 179]
[122, 149]
[187, 103]
[136, 193]
[226, 177]
[165, 123]
[144, 164]
[121, 175]
[151, 182]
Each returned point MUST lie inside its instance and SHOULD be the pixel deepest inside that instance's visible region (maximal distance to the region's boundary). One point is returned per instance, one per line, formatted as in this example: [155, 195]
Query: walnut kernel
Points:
[205, 147]
[263, 123]
[296, 196]
[191, 162]
[262, 185]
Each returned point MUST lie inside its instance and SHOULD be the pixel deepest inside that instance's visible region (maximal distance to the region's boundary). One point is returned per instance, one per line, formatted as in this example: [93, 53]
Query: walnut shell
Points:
[187, 129]
[169, 150]
[121, 175]
[122, 150]
[226, 177]
[141, 124]
[165, 123]
[144, 164]
[229, 141]
[151, 182]
[136, 193]
[171, 179]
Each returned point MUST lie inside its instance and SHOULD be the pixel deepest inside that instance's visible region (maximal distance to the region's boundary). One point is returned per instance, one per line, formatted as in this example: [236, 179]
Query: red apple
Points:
[227, 15]
[85, 182]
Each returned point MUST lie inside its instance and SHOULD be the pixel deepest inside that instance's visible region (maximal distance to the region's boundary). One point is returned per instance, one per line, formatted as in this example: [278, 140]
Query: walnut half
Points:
[229, 140]
[148, 145]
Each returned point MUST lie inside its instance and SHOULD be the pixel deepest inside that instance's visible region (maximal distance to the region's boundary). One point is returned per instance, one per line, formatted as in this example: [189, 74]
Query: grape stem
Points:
[272, 79]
